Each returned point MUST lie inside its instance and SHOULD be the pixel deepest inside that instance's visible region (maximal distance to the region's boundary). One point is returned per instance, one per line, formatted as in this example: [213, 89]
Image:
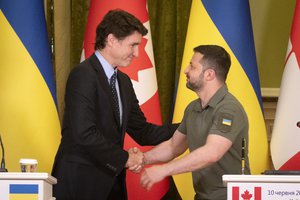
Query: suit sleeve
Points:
[140, 130]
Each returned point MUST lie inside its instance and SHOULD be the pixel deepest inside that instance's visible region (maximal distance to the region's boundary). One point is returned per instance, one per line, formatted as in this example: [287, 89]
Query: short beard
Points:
[193, 87]
[196, 86]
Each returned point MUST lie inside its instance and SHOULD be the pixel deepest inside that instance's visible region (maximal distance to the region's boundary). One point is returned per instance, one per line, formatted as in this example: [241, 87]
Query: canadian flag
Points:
[246, 195]
[143, 76]
[285, 142]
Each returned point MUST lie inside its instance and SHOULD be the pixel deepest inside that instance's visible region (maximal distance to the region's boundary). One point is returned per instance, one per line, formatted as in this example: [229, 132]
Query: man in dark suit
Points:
[91, 162]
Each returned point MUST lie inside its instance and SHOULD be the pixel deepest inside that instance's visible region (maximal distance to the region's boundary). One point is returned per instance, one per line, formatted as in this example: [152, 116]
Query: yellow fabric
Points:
[29, 122]
[201, 30]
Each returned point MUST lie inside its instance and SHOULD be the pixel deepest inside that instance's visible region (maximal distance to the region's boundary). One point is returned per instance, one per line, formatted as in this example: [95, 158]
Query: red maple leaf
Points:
[140, 63]
[246, 195]
[99, 8]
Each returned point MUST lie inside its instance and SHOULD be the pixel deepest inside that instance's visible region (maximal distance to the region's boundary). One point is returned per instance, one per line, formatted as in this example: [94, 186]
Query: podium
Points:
[262, 187]
[34, 186]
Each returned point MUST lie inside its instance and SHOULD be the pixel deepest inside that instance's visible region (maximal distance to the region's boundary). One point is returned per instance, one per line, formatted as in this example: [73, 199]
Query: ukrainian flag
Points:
[29, 122]
[226, 23]
[23, 192]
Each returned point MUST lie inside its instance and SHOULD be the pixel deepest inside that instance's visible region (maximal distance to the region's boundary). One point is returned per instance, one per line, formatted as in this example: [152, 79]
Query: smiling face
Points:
[123, 51]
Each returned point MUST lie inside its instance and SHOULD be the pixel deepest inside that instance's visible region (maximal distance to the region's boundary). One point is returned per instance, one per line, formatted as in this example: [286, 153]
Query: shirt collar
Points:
[108, 68]
[216, 98]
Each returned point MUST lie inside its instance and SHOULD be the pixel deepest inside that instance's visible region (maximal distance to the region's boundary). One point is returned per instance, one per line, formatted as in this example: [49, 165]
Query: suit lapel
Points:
[123, 93]
[104, 83]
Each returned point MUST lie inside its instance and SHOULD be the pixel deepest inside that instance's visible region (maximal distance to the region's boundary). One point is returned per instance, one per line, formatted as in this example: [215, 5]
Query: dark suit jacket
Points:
[91, 155]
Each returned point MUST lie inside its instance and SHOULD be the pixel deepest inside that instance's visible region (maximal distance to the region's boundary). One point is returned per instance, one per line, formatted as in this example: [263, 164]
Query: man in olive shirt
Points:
[213, 128]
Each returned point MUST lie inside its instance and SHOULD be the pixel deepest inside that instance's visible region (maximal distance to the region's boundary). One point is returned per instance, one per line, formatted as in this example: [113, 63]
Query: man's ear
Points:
[210, 74]
[110, 40]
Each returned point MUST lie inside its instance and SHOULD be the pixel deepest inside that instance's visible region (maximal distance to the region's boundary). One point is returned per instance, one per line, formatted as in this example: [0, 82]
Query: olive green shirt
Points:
[223, 116]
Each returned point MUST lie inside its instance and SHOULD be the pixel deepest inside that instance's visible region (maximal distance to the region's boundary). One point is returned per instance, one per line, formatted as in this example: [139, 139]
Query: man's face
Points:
[123, 51]
[195, 73]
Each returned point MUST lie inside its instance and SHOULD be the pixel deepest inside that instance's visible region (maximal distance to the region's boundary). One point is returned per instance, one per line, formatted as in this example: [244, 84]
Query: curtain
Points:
[168, 20]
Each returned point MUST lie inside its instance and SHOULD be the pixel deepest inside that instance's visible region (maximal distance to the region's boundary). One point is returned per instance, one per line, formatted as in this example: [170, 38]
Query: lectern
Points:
[33, 186]
[262, 187]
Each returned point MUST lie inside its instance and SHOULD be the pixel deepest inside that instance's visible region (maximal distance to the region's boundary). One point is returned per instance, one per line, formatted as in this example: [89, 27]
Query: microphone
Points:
[243, 155]
[2, 169]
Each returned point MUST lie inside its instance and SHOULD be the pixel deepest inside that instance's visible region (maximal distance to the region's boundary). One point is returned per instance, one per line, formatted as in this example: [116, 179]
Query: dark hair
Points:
[216, 58]
[120, 23]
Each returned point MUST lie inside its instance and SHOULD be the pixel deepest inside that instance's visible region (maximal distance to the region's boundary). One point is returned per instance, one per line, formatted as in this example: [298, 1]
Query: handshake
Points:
[136, 160]
[151, 175]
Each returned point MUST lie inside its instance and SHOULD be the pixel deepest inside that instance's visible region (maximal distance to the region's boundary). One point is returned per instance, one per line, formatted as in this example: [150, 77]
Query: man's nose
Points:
[136, 51]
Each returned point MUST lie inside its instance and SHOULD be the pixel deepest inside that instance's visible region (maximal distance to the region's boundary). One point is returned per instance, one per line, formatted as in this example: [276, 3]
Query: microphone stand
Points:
[2, 169]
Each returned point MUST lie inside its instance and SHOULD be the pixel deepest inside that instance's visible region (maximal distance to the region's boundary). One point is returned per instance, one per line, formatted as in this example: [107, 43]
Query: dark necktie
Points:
[112, 83]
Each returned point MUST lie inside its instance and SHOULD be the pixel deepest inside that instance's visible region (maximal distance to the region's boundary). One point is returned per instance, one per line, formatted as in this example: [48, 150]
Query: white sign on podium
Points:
[33, 186]
[262, 187]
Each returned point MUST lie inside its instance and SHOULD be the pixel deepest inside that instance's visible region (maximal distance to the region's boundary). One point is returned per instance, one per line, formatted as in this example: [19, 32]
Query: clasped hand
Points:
[135, 162]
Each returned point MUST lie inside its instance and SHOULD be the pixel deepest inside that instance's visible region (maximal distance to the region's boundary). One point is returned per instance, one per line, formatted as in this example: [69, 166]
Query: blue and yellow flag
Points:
[23, 192]
[226, 23]
[29, 122]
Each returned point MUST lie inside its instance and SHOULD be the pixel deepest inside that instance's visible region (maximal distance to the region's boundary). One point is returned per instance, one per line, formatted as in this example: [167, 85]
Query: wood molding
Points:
[270, 92]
